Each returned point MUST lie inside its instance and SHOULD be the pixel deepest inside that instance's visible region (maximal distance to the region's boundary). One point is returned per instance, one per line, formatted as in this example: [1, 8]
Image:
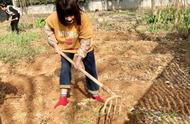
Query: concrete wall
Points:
[128, 4]
[42, 9]
[133, 4]
[102, 5]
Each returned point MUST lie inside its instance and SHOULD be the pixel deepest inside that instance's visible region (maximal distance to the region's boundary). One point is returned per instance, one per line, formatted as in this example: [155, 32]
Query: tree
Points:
[152, 6]
[14, 2]
[9, 2]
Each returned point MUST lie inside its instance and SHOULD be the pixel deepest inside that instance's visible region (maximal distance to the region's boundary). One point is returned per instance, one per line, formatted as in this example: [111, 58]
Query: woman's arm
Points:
[84, 47]
[13, 10]
[85, 35]
[51, 37]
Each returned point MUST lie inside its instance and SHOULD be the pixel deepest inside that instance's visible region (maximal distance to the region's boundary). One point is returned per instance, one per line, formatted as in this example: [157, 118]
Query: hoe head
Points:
[110, 109]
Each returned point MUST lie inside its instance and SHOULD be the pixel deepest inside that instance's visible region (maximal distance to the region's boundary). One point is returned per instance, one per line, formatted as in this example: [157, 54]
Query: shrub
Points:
[169, 18]
[39, 22]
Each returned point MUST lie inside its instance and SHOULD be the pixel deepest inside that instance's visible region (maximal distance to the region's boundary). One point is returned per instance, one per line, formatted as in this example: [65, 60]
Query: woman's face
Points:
[69, 19]
[3, 8]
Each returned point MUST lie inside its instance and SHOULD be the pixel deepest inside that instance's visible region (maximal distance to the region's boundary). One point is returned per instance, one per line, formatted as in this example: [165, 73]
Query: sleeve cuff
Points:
[51, 41]
[84, 47]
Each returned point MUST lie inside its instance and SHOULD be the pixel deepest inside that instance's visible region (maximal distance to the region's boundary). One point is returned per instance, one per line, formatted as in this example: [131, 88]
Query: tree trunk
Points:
[118, 5]
[105, 4]
[23, 6]
[14, 2]
[152, 6]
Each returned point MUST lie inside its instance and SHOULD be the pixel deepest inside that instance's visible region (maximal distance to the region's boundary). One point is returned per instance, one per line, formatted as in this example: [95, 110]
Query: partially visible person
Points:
[15, 16]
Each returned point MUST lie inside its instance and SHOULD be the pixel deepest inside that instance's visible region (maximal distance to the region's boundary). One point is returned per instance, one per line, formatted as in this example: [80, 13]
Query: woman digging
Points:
[11, 11]
[69, 31]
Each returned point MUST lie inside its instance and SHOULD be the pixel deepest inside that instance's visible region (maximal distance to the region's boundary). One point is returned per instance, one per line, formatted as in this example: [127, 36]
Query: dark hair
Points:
[66, 8]
[3, 4]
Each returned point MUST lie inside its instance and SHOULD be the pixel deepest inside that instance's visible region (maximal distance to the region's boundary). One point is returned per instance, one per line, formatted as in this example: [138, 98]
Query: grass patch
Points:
[169, 19]
[17, 47]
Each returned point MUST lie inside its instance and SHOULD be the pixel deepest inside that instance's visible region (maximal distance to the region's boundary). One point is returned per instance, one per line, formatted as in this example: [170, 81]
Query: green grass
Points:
[15, 47]
[169, 19]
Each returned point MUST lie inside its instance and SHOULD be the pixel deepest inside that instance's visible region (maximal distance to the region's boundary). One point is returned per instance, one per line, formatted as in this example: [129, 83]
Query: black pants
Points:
[14, 23]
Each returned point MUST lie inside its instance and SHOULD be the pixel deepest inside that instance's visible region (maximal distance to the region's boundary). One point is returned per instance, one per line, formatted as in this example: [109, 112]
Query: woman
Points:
[14, 14]
[70, 31]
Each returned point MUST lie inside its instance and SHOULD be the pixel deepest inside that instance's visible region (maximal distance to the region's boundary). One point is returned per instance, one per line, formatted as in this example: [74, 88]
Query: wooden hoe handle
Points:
[87, 74]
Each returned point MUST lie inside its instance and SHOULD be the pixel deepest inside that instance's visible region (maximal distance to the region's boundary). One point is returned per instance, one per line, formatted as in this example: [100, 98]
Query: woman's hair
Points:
[3, 4]
[66, 8]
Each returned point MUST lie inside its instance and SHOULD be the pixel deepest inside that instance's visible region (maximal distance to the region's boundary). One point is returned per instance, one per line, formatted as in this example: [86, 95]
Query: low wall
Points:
[101, 5]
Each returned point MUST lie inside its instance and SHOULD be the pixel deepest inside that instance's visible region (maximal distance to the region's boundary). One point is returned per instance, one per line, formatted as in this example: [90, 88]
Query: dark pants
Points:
[90, 67]
[14, 24]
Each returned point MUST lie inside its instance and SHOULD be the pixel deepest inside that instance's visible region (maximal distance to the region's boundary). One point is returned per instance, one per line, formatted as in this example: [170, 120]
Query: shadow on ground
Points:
[6, 89]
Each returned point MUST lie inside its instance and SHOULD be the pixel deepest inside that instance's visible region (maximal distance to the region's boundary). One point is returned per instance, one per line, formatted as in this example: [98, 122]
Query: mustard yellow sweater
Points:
[69, 37]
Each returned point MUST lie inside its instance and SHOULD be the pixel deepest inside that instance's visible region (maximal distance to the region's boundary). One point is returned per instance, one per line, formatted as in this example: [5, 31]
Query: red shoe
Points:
[62, 101]
[98, 98]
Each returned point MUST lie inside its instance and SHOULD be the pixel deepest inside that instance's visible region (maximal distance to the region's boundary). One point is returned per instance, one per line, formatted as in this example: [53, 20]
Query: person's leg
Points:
[16, 27]
[16, 24]
[90, 67]
[12, 26]
[65, 79]
[65, 73]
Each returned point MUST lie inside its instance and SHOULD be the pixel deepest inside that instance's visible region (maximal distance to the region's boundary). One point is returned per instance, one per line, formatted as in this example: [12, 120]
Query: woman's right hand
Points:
[57, 49]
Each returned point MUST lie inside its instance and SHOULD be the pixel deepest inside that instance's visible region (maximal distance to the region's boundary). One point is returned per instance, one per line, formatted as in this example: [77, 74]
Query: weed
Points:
[168, 18]
[75, 106]
[25, 26]
[15, 47]
[160, 122]
[39, 22]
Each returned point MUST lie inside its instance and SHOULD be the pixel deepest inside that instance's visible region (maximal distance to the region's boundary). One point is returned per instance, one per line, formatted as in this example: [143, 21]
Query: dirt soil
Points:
[147, 73]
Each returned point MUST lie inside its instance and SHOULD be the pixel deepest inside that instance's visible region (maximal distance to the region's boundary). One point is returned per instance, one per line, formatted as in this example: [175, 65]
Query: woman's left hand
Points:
[77, 62]
[14, 19]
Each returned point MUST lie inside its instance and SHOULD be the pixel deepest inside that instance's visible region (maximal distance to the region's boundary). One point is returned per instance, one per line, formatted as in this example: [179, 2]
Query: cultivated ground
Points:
[149, 71]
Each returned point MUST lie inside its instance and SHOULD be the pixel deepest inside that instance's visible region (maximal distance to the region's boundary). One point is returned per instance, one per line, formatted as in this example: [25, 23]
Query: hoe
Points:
[111, 105]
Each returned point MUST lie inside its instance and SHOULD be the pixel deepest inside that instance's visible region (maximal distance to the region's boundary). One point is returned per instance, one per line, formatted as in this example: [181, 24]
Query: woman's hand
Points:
[14, 19]
[77, 62]
[57, 49]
